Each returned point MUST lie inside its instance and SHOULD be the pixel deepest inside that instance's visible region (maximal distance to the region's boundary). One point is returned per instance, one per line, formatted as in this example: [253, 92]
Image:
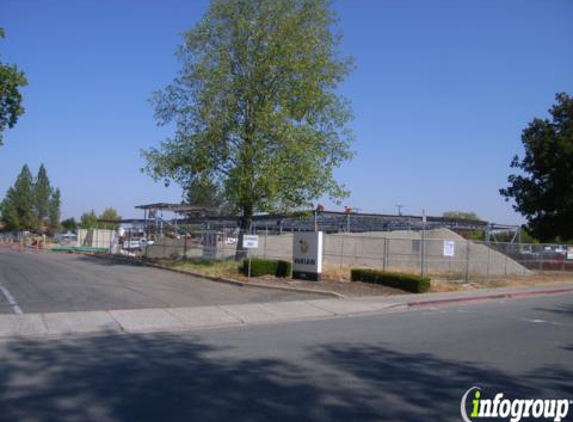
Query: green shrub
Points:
[261, 267]
[408, 282]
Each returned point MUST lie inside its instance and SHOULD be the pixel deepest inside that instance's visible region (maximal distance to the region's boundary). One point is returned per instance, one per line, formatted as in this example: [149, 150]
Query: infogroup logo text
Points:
[514, 410]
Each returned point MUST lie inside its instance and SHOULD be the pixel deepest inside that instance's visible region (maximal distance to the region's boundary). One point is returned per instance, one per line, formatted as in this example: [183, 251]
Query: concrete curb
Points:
[132, 321]
[493, 296]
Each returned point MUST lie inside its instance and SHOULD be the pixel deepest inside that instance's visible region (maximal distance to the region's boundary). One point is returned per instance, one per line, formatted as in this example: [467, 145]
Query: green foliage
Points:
[32, 204]
[206, 194]
[474, 235]
[70, 224]
[526, 236]
[42, 196]
[18, 205]
[461, 215]
[109, 214]
[408, 282]
[255, 105]
[542, 190]
[88, 220]
[11, 82]
[54, 211]
[261, 267]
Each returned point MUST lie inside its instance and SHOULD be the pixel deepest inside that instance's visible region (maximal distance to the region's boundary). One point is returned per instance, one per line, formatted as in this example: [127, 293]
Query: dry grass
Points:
[337, 278]
[537, 279]
[223, 269]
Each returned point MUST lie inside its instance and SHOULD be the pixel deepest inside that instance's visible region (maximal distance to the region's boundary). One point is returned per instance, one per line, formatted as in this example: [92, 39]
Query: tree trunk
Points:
[245, 228]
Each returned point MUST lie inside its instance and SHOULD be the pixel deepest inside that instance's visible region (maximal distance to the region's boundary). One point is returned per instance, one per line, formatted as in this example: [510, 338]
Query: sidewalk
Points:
[174, 319]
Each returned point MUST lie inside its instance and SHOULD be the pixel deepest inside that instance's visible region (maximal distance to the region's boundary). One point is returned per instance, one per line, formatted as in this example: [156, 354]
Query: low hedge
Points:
[261, 267]
[409, 282]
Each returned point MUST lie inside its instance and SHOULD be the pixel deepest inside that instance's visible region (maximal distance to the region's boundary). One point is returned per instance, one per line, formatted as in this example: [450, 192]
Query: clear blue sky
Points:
[441, 94]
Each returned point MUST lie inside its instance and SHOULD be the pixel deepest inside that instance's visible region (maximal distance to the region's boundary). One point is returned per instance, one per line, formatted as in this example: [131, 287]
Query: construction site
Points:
[434, 246]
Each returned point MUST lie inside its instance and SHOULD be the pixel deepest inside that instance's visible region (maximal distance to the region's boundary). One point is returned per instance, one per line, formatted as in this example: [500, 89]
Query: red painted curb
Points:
[490, 297]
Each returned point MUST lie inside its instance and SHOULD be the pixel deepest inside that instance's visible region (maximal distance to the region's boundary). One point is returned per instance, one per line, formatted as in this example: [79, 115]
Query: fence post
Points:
[185, 247]
[384, 253]
[342, 251]
[387, 252]
[488, 258]
[467, 260]
[422, 254]
[265, 245]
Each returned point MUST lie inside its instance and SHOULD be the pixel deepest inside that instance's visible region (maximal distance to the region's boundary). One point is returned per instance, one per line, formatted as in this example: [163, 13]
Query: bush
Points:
[408, 282]
[261, 267]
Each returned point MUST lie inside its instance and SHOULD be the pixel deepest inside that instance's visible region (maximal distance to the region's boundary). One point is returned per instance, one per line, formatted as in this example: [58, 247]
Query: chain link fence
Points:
[439, 253]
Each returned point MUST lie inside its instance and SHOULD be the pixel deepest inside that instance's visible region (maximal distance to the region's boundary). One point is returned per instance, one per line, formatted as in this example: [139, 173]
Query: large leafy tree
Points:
[109, 215]
[543, 189]
[206, 194]
[88, 220]
[255, 105]
[18, 205]
[70, 224]
[11, 82]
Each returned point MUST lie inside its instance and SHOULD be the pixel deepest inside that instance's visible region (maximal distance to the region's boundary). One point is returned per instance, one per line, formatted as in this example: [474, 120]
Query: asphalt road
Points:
[407, 366]
[49, 282]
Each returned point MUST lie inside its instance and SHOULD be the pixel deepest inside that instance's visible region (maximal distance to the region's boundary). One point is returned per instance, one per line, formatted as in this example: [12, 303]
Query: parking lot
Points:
[49, 282]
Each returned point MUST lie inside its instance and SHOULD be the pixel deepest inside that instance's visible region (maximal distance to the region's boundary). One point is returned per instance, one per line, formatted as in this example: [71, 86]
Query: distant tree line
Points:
[32, 203]
[89, 220]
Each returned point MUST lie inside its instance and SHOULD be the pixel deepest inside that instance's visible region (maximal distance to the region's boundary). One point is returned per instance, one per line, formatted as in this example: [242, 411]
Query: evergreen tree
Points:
[18, 206]
[42, 197]
[9, 212]
[54, 211]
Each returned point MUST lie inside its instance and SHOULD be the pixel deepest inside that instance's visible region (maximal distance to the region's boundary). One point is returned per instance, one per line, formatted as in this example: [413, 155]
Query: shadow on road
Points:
[561, 310]
[109, 261]
[178, 378]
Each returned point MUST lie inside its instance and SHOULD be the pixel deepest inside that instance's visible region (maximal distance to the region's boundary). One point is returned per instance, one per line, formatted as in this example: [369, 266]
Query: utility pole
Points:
[423, 244]
[399, 208]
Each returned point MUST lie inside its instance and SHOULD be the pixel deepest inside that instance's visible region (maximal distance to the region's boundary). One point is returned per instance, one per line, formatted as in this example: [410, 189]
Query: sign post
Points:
[307, 255]
[210, 244]
[250, 242]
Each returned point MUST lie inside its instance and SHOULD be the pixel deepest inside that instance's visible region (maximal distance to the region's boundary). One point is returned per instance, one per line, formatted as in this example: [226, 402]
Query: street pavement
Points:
[409, 365]
[50, 282]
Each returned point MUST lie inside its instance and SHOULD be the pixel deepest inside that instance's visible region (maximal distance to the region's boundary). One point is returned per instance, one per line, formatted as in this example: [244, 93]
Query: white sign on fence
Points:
[250, 241]
[307, 255]
[210, 245]
[570, 252]
[449, 248]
